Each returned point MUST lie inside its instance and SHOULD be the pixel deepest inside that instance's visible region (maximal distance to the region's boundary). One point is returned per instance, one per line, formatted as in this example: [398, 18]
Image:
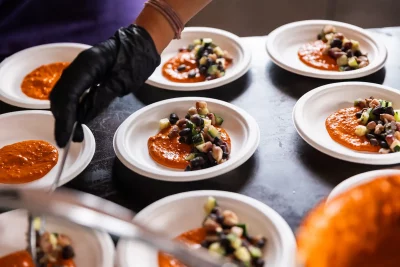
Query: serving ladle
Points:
[97, 213]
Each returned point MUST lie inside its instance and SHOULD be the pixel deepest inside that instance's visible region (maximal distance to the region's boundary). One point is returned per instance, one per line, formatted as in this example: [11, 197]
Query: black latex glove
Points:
[112, 68]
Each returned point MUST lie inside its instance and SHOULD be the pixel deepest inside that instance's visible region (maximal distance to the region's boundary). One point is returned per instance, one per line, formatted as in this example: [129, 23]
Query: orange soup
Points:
[312, 55]
[26, 161]
[170, 152]
[39, 83]
[341, 126]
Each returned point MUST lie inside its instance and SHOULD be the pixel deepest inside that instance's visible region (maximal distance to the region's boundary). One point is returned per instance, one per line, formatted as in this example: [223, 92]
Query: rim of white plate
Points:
[105, 242]
[88, 149]
[363, 158]
[359, 179]
[241, 67]
[373, 67]
[177, 175]
[286, 239]
[31, 103]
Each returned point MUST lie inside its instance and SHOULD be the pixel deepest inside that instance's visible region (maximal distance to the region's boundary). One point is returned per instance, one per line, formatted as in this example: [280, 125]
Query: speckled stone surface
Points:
[285, 172]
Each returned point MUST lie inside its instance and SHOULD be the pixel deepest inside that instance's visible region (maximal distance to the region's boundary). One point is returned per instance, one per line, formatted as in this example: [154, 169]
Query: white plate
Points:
[359, 179]
[312, 109]
[226, 40]
[284, 43]
[182, 212]
[130, 139]
[14, 68]
[39, 125]
[92, 248]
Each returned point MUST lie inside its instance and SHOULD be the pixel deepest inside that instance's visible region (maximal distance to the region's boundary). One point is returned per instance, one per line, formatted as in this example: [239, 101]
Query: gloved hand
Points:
[112, 68]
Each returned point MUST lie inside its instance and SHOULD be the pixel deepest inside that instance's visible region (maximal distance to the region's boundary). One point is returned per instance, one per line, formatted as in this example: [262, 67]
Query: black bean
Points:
[349, 53]
[211, 159]
[347, 45]
[187, 116]
[217, 141]
[319, 36]
[383, 144]
[357, 53]
[378, 111]
[259, 263]
[192, 74]
[181, 67]
[379, 122]
[213, 216]
[185, 132]
[370, 136]
[196, 119]
[203, 70]
[220, 219]
[225, 242]
[220, 67]
[261, 242]
[358, 114]
[173, 118]
[216, 210]
[336, 43]
[182, 139]
[197, 162]
[205, 244]
[187, 169]
[209, 61]
[200, 52]
[374, 142]
[210, 50]
[67, 252]
[389, 110]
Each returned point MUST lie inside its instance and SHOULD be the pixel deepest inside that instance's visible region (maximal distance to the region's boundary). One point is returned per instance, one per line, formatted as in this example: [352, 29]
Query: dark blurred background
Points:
[259, 17]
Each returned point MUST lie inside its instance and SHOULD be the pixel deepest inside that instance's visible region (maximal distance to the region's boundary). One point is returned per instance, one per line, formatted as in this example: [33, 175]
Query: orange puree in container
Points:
[26, 161]
[39, 83]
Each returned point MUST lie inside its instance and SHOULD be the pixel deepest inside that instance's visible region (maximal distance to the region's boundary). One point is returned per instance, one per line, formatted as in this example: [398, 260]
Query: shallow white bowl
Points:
[312, 109]
[284, 43]
[359, 179]
[39, 125]
[182, 212]
[226, 40]
[130, 139]
[92, 248]
[14, 68]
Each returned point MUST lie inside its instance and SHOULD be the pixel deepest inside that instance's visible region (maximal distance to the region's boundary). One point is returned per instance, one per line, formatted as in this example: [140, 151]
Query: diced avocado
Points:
[212, 70]
[244, 227]
[207, 41]
[207, 122]
[219, 51]
[198, 139]
[197, 42]
[216, 248]
[213, 132]
[355, 45]
[353, 62]
[243, 254]
[397, 115]
[360, 130]
[190, 156]
[164, 123]
[203, 60]
[342, 61]
[255, 252]
[236, 242]
[210, 204]
[218, 120]
[364, 117]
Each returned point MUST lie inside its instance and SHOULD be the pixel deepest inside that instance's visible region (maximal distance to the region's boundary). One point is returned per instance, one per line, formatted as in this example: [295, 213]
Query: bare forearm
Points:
[158, 26]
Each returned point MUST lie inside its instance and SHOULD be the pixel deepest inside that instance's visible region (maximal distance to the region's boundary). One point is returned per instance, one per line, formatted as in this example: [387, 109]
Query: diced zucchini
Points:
[207, 41]
[213, 132]
[395, 146]
[190, 125]
[342, 61]
[360, 130]
[382, 102]
[219, 51]
[244, 227]
[207, 122]
[198, 139]
[371, 115]
[255, 252]
[397, 115]
[203, 60]
[210, 204]
[216, 248]
[197, 42]
[389, 104]
[196, 49]
[164, 123]
[364, 117]
[218, 120]
[243, 254]
[212, 70]
[357, 102]
[236, 242]
[355, 45]
[353, 62]
[190, 156]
